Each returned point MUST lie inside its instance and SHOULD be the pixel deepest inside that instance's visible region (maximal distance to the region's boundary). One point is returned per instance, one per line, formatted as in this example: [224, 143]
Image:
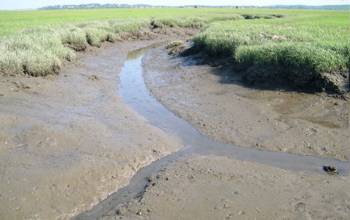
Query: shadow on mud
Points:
[263, 77]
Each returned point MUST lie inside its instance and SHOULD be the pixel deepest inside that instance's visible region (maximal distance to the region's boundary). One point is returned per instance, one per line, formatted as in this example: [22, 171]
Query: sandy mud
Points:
[68, 141]
[210, 187]
[215, 102]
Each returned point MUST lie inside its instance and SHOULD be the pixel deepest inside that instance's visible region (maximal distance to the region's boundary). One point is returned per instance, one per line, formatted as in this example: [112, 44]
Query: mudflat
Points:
[68, 141]
[216, 102]
[211, 187]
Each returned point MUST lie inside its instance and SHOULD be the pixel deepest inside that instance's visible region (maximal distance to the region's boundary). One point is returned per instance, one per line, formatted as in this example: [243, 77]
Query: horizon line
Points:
[183, 5]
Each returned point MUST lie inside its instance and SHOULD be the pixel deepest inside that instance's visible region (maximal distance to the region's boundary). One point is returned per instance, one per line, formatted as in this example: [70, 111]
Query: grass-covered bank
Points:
[308, 50]
[41, 51]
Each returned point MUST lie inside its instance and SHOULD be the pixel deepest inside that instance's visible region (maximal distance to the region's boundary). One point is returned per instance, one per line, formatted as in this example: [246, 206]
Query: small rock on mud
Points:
[93, 77]
[331, 170]
[176, 47]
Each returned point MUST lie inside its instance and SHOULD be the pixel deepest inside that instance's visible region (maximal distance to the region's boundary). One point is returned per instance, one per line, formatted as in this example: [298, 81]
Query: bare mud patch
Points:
[211, 187]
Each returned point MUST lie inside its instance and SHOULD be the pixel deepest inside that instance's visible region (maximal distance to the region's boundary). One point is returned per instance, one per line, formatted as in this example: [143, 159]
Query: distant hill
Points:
[95, 5]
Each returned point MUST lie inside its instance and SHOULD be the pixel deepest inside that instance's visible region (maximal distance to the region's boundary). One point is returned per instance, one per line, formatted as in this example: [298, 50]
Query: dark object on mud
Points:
[93, 77]
[331, 170]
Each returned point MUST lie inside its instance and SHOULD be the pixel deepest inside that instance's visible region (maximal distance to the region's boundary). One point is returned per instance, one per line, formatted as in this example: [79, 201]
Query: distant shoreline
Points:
[95, 6]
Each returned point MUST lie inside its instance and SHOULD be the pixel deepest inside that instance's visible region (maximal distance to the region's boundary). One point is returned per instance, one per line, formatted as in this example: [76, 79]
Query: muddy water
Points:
[135, 93]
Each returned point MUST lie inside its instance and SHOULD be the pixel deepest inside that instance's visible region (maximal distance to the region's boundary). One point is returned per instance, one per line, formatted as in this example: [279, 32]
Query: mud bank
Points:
[217, 103]
[68, 141]
[211, 187]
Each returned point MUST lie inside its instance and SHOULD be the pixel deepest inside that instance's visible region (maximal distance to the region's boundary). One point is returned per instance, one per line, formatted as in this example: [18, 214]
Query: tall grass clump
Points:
[299, 64]
[74, 38]
[34, 52]
[219, 44]
[42, 51]
[291, 56]
[128, 26]
[97, 32]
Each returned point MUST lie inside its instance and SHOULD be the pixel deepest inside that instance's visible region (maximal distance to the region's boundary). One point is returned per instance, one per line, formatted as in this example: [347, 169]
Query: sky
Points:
[31, 4]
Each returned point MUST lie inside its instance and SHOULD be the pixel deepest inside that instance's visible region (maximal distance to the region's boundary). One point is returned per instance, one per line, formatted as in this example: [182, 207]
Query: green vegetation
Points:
[307, 49]
[41, 51]
[303, 47]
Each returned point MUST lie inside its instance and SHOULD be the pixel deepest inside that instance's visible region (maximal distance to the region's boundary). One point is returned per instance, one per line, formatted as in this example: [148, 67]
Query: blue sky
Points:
[28, 4]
